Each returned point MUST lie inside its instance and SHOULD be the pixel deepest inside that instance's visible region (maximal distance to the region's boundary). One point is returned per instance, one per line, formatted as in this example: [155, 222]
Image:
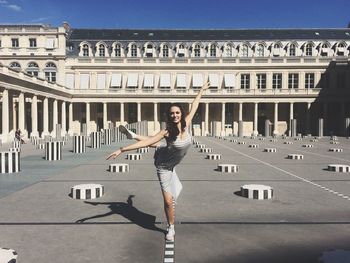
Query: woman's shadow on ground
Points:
[128, 211]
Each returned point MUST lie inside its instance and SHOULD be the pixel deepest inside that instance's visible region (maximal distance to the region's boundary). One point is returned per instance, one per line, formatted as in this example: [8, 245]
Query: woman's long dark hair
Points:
[172, 127]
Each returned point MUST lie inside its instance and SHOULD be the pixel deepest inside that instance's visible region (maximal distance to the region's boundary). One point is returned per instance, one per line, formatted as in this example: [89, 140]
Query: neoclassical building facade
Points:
[263, 81]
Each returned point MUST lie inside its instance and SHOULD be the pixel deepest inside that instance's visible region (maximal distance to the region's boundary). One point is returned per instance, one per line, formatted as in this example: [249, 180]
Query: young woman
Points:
[168, 154]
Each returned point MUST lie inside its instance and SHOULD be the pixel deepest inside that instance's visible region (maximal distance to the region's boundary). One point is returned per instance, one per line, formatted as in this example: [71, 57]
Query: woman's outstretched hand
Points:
[114, 155]
[206, 86]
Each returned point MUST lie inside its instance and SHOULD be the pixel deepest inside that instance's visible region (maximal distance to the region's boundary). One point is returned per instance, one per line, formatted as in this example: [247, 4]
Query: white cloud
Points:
[14, 7]
[3, 2]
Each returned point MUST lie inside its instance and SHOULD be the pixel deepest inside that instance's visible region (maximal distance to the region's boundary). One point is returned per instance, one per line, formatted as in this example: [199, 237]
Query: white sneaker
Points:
[129, 134]
[170, 235]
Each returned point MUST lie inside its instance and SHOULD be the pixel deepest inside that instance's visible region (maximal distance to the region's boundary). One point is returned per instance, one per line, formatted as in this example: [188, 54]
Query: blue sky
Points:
[196, 14]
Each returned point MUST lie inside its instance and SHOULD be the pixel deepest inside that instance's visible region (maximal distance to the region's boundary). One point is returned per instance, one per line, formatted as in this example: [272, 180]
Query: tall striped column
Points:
[107, 137]
[53, 151]
[9, 162]
[79, 144]
[96, 139]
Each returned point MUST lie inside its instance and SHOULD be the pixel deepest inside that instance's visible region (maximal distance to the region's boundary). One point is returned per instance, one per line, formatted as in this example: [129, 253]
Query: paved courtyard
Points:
[306, 221]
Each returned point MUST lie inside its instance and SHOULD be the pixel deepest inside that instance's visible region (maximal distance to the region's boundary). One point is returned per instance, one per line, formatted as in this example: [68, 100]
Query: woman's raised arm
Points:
[195, 103]
[151, 140]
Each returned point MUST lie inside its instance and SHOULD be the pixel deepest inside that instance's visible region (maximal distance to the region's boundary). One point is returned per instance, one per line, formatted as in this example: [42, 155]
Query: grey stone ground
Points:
[304, 222]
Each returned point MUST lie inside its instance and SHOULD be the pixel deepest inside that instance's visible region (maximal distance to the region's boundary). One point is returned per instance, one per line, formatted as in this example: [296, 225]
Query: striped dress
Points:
[166, 157]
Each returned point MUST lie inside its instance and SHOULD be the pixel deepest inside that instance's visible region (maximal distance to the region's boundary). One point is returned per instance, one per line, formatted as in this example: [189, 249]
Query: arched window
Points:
[213, 50]
[165, 51]
[324, 50]
[244, 50]
[197, 50]
[181, 51]
[228, 50]
[118, 50]
[292, 50]
[15, 66]
[149, 50]
[50, 72]
[308, 50]
[260, 51]
[85, 50]
[133, 50]
[101, 50]
[33, 69]
[341, 49]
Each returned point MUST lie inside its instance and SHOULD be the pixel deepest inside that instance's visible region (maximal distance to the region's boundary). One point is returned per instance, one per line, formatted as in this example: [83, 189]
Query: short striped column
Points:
[334, 142]
[334, 138]
[257, 191]
[53, 151]
[308, 145]
[201, 146]
[206, 150]
[253, 146]
[143, 150]
[87, 191]
[273, 140]
[270, 150]
[34, 140]
[8, 255]
[9, 162]
[336, 150]
[214, 156]
[241, 142]
[134, 156]
[119, 167]
[96, 139]
[340, 168]
[295, 156]
[233, 140]
[107, 136]
[313, 140]
[253, 137]
[298, 139]
[262, 139]
[41, 146]
[17, 150]
[16, 144]
[79, 144]
[228, 168]
[288, 142]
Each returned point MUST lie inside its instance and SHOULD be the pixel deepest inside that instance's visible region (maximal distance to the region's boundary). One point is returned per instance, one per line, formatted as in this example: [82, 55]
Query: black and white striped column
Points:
[257, 191]
[16, 144]
[134, 156]
[79, 144]
[107, 139]
[295, 156]
[9, 162]
[53, 151]
[340, 168]
[228, 168]
[119, 167]
[8, 255]
[96, 139]
[214, 156]
[87, 191]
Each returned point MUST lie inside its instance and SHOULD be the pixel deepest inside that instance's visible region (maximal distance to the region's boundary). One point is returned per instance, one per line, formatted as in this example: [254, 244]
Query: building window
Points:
[260, 51]
[118, 50]
[245, 81]
[15, 66]
[309, 80]
[33, 69]
[133, 50]
[244, 51]
[292, 50]
[165, 51]
[101, 51]
[308, 50]
[341, 49]
[181, 51]
[197, 51]
[293, 81]
[32, 42]
[15, 42]
[228, 50]
[50, 72]
[277, 81]
[324, 50]
[85, 50]
[149, 51]
[213, 50]
[261, 81]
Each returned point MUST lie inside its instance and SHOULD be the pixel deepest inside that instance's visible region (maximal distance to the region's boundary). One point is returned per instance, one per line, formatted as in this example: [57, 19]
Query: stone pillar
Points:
[63, 118]
[308, 118]
[291, 117]
[155, 116]
[240, 119]
[275, 120]
[138, 111]
[70, 118]
[347, 127]
[45, 117]
[122, 117]
[34, 116]
[55, 117]
[206, 119]
[5, 115]
[223, 131]
[87, 118]
[105, 120]
[320, 127]
[21, 114]
[255, 129]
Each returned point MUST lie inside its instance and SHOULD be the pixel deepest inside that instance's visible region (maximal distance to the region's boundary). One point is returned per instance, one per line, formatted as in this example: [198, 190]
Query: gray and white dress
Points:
[166, 157]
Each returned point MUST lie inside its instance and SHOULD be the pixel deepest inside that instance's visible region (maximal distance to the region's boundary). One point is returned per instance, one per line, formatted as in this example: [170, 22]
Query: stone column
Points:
[275, 120]
[206, 120]
[34, 116]
[105, 120]
[122, 117]
[155, 116]
[5, 115]
[70, 118]
[138, 111]
[55, 117]
[240, 119]
[308, 118]
[291, 117]
[63, 119]
[45, 117]
[255, 129]
[223, 120]
[21, 114]
[87, 118]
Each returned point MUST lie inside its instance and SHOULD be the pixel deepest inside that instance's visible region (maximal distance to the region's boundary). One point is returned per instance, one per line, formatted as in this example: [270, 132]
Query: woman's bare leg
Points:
[169, 207]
